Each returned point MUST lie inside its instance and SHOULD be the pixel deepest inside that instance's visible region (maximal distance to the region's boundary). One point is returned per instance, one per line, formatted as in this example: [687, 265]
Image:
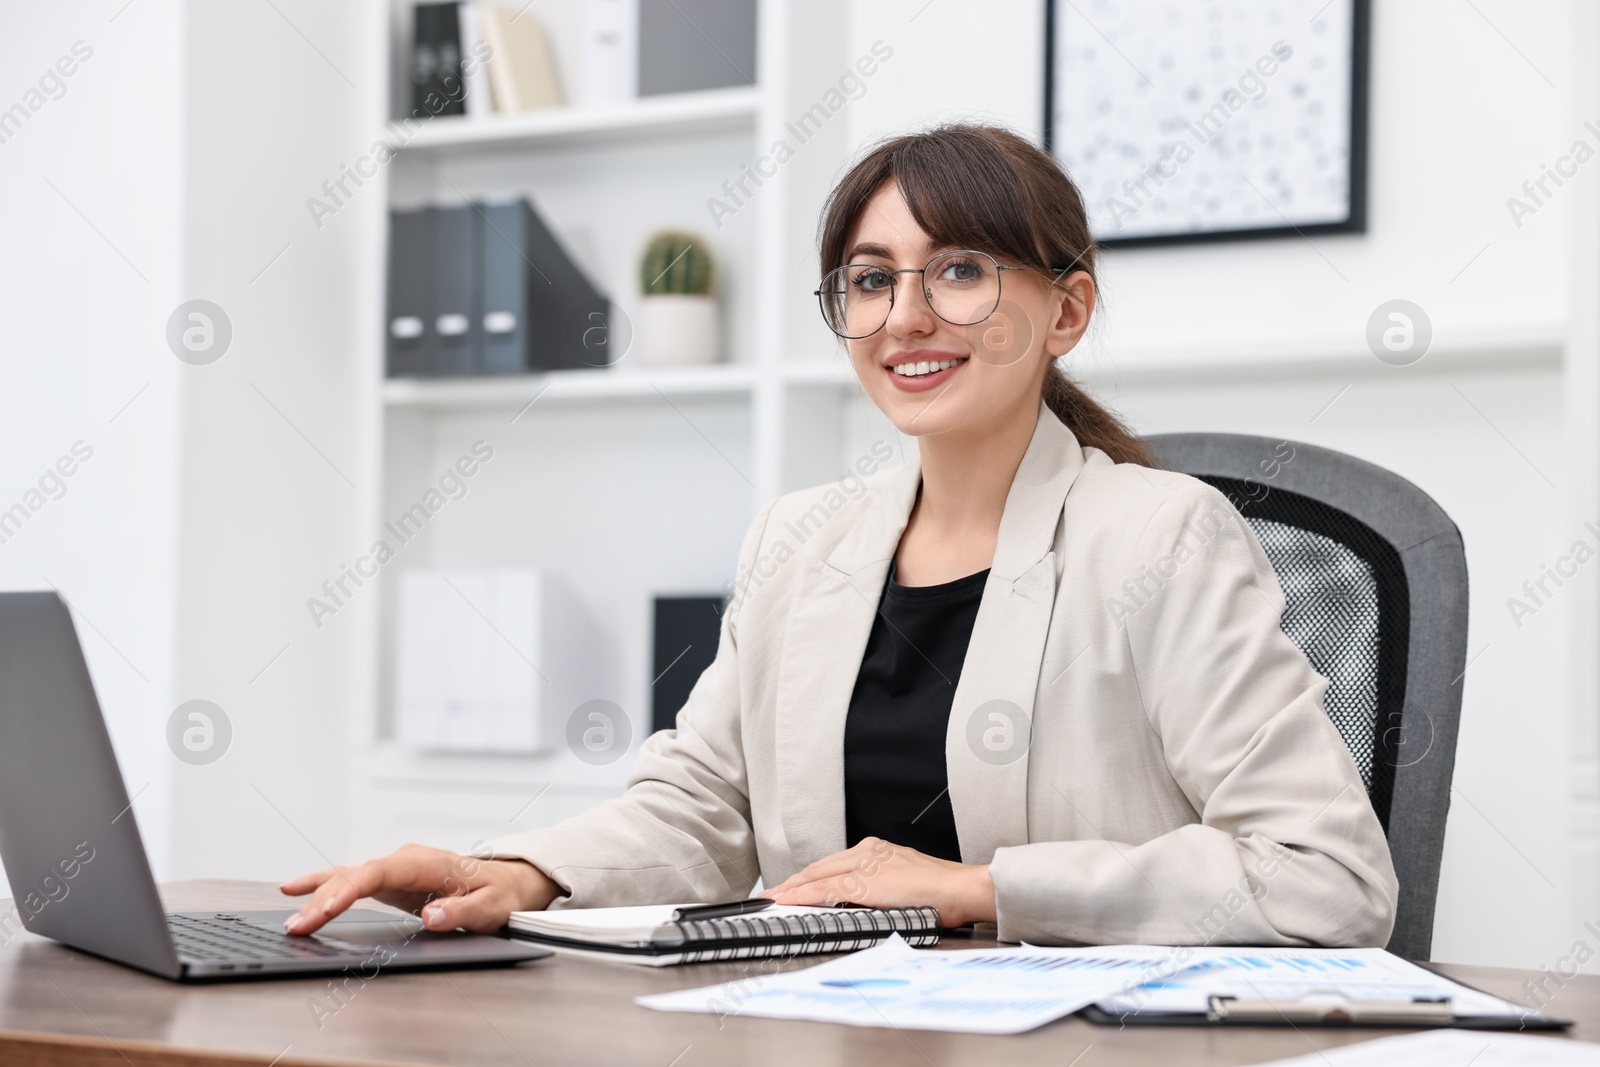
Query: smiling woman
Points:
[981, 190]
[930, 701]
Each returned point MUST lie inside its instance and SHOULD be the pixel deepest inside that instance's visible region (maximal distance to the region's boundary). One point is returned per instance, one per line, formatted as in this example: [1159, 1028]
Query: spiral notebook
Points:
[649, 935]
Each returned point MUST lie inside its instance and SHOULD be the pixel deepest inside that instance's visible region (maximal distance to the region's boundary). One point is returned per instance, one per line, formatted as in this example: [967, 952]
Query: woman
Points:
[1025, 678]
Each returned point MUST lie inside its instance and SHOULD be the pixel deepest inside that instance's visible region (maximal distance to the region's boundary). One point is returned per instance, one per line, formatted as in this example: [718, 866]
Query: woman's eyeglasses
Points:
[962, 288]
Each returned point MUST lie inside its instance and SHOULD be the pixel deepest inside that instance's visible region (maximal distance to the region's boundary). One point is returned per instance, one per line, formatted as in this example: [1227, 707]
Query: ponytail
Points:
[1092, 424]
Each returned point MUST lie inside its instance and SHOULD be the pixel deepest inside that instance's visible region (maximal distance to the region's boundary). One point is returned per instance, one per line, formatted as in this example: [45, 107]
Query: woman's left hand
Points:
[877, 874]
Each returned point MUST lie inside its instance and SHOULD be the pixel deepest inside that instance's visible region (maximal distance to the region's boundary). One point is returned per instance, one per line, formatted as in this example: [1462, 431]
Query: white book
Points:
[521, 68]
[596, 48]
[473, 71]
[611, 51]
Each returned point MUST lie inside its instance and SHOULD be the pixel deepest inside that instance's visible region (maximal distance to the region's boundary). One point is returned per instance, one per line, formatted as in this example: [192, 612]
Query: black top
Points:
[895, 784]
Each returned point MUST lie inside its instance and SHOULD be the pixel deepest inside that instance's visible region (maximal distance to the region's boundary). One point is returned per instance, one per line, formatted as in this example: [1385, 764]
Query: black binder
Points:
[436, 85]
[687, 629]
[502, 243]
[409, 346]
[456, 283]
[539, 311]
[486, 288]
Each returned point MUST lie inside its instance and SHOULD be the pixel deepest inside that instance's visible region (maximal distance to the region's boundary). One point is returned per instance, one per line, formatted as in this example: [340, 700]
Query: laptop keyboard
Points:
[231, 939]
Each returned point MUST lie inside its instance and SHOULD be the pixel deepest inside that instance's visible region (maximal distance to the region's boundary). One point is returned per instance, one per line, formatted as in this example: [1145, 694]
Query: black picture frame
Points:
[1355, 222]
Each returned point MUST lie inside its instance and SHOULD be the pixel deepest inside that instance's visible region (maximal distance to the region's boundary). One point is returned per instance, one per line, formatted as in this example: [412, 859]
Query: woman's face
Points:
[992, 370]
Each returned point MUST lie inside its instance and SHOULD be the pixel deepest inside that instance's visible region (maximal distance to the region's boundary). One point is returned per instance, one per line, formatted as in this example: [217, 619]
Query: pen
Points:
[722, 911]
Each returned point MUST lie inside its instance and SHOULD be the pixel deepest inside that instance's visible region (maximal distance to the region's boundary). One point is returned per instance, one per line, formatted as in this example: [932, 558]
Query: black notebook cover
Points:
[756, 936]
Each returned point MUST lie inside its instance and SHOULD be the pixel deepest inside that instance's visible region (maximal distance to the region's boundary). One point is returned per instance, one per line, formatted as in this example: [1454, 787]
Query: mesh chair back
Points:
[1375, 582]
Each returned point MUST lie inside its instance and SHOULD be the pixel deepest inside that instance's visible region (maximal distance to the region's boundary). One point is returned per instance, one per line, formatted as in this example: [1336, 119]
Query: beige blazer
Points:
[1135, 748]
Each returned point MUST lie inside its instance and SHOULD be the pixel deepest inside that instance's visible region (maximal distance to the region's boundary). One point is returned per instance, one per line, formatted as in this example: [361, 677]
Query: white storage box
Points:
[491, 660]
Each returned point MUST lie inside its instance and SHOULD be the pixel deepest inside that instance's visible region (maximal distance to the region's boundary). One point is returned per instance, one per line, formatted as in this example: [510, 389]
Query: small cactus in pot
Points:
[678, 323]
[676, 261]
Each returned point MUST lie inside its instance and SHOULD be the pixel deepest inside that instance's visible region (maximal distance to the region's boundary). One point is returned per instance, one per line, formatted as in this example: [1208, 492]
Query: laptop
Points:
[77, 866]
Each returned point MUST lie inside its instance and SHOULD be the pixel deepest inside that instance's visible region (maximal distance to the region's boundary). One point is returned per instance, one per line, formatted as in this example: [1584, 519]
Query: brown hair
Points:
[985, 188]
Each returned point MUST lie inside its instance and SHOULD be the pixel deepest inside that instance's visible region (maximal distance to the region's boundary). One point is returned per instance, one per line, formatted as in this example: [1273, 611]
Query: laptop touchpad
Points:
[359, 926]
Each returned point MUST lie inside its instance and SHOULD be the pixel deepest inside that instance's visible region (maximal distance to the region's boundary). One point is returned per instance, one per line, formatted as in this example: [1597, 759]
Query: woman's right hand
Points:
[448, 890]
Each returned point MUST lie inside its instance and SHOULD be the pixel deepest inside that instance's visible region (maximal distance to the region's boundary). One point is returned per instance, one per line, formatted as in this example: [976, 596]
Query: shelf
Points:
[675, 114]
[1291, 359]
[516, 390]
[835, 371]
[1519, 347]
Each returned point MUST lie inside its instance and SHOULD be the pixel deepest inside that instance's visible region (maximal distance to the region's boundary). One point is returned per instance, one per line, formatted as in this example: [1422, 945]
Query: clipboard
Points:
[1327, 1008]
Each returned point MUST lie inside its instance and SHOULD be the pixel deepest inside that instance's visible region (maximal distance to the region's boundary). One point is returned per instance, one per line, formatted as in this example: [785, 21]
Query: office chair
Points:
[1375, 579]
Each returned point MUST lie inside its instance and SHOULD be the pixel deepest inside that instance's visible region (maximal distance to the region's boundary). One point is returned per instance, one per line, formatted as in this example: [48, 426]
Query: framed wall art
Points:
[1207, 120]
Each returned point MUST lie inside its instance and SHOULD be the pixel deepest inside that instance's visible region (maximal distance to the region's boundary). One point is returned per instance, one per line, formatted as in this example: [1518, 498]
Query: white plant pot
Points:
[677, 330]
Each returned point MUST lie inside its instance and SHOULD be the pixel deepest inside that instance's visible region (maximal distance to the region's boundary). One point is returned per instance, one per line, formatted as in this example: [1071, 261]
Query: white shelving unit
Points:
[630, 481]
[523, 390]
[678, 115]
[555, 387]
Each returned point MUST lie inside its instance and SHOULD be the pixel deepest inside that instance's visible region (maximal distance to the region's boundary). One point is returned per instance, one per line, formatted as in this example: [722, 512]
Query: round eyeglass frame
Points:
[821, 294]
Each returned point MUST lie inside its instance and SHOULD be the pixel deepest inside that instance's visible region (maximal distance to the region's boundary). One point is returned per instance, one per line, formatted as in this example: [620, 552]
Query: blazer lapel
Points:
[988, 738]
[825, 638]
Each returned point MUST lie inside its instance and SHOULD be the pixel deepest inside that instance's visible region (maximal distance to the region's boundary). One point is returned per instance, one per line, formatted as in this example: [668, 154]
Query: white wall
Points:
[1259, 337]
[88, 274]
[175, 166]
[278, 464]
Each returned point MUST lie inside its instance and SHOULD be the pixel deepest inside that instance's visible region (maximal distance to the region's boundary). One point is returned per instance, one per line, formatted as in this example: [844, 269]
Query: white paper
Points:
[1454, 1048]
[981, 991]
[1359, 974]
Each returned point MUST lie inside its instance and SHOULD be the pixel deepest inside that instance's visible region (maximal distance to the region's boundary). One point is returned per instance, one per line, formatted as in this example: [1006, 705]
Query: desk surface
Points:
[58, 1006]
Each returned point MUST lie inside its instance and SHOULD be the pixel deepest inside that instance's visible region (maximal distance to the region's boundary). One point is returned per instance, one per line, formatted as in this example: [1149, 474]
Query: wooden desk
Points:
[60, 1007]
